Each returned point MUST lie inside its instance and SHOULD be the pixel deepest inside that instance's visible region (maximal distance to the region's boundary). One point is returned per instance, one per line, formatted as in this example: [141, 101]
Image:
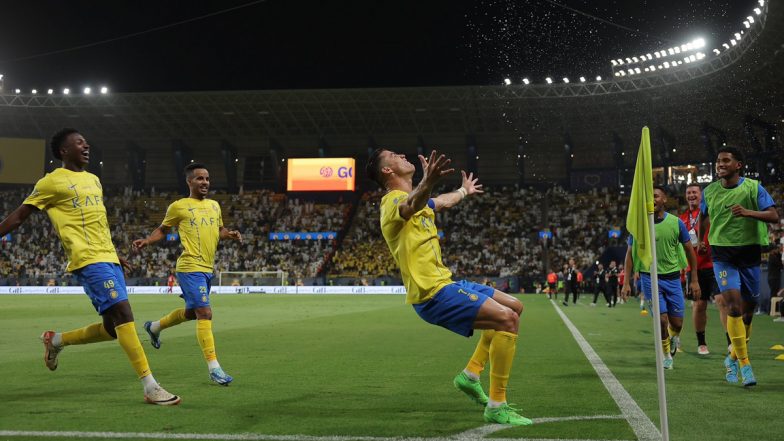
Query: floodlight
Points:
[49, 91]
[652, 68]
[525, 81]
[598, 78]
[761, 2]
[635, 59]
[87, 90]
[66, 91]
[700, 55]
[630, 72]
[737, 36]
[684, 48]
[666, 64]
[507, 81]
[692, 58]
[582, 79]
[698, 43]
[629, 60]
[658, 55]
[617, 74]
[637, 70]
[746, 24]
[733, 42]
[677, 49]
[671, 51]
[17, 91]
[686, 59]
[34, 91]
[726, 46]
[566, 80]
[549, 80]
[650, 57]
[757, 11]
[614, 63]
[689, 46]
[750, 19]
[716, 51]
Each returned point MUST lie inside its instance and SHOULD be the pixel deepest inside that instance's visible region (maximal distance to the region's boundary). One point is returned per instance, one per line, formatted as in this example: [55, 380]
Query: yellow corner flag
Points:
[641, 203]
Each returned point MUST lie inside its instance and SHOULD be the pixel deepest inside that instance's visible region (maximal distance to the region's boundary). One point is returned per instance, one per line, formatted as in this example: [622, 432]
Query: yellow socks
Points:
[478, 361]
[89, 334]
[172, 319]
[129, 341]
[672, 332]
[502, 350]
[737, 331]
[206, 340]
[666, 346]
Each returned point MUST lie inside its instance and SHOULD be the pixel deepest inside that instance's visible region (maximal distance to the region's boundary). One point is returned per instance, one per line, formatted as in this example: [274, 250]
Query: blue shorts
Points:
[104, 283]
[455, 307]
[195, 289]
[746, 280]
[670, 295]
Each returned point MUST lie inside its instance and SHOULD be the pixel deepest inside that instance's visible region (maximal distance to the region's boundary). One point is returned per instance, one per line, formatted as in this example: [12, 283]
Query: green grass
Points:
[365, 366]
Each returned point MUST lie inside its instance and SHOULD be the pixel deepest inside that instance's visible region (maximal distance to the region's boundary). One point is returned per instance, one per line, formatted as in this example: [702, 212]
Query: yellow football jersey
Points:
[198, 223]
[414, 245]
[74, 203]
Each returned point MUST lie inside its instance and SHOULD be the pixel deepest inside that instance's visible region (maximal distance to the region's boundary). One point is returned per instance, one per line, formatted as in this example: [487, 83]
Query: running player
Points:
[73, 199]
[736, 210]
[200, 224]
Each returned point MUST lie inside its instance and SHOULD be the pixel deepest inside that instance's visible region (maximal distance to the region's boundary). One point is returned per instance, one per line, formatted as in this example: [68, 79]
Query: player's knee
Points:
[508, 321]
[517, 306]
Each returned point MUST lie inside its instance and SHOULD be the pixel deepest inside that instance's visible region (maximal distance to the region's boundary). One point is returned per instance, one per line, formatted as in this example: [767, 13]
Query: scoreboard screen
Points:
[320, 174]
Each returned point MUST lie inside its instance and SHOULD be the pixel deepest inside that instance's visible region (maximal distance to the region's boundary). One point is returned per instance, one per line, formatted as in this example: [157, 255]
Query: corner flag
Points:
[641, 202]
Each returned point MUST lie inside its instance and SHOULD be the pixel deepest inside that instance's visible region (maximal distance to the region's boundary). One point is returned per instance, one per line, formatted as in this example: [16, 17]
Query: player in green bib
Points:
[673, 250]
[736, 210]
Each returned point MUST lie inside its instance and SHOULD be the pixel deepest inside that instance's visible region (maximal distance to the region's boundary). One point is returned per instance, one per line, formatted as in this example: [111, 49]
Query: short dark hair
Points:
[661, 189]
[694, 184]
[58, 139]
[191, 167]
[734, 151]
[373, 167]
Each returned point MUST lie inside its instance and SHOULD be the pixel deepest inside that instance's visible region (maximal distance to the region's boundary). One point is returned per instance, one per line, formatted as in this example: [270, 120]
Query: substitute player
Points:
[73, 200]
[408, 226]
[704, 270]
[200, 224]
[673, 251]
[736, 210]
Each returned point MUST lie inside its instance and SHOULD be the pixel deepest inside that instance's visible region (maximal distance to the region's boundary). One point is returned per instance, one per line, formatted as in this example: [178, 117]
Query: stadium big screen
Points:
[320, 174]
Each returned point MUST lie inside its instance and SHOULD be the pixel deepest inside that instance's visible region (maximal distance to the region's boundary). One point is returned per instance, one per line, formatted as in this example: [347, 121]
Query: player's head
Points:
[659, 198]
[729, 163]
[198, 179]
[612, 264]
[68, 145]
[384, 164]
[693, 195]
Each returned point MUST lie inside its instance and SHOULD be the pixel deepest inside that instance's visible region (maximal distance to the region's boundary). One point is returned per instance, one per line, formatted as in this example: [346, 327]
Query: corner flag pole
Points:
[639, 222]
[665, 430]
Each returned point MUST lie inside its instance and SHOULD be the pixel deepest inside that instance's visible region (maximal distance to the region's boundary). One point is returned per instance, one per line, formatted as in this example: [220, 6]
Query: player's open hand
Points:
[470, 183]
[127, 267]
[138, 244]
[626, 290]
[435, 168]
[739, 211]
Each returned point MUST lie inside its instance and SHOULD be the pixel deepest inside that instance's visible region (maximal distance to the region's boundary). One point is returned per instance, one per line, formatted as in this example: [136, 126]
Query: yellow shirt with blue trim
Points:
[415, 248]
[74, 203]
[198, 222]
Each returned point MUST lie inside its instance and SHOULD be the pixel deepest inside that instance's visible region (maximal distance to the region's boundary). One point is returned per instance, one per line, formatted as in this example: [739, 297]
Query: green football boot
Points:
[472, 388]
[506, 414]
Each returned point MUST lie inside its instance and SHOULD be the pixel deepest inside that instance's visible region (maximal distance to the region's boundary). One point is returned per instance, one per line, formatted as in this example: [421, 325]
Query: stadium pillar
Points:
[137, 165]
[278, 158]
[231, 165]
[472, 155]
[182, 157]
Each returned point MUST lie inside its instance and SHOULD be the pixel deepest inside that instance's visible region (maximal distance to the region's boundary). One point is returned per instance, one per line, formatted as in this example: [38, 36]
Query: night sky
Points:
[277, 44]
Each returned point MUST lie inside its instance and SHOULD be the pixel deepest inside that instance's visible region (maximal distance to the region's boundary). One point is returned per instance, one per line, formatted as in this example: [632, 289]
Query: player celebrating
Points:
[704, 269]
[200, 225]
[407, 223]
[73, 200]
[673, 249]
[736, 209]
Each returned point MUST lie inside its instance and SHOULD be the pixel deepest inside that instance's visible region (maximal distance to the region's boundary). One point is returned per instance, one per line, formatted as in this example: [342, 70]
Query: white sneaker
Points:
[158, 395]
[593, 304]
[703, 350]
[779, 320]
[668, 362]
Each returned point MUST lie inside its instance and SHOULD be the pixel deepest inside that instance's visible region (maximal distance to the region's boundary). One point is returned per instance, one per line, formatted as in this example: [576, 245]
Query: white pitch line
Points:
[642, 426]
[469, 435]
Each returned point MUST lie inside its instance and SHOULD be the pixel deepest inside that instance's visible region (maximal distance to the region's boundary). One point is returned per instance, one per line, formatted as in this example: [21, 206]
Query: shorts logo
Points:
[723, 282]
[203, 298]
[113, 294]
[473, 297]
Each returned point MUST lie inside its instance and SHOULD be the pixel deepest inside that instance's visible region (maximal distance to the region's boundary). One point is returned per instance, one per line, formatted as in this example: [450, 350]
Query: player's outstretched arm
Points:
[449, 200]
[225, 233]
[16, 218]
[433, 170]
[156, 235]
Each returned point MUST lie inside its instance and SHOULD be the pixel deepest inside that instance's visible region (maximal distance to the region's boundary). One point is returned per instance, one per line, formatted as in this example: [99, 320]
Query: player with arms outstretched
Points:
[407, 223]
[73, 199]
[200, 225]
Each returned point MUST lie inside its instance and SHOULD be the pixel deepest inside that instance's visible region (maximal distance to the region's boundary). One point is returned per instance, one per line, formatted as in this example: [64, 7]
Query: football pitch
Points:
[365, 367]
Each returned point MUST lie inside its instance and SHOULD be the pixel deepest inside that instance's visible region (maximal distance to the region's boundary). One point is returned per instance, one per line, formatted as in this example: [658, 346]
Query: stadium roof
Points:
[723, 91]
